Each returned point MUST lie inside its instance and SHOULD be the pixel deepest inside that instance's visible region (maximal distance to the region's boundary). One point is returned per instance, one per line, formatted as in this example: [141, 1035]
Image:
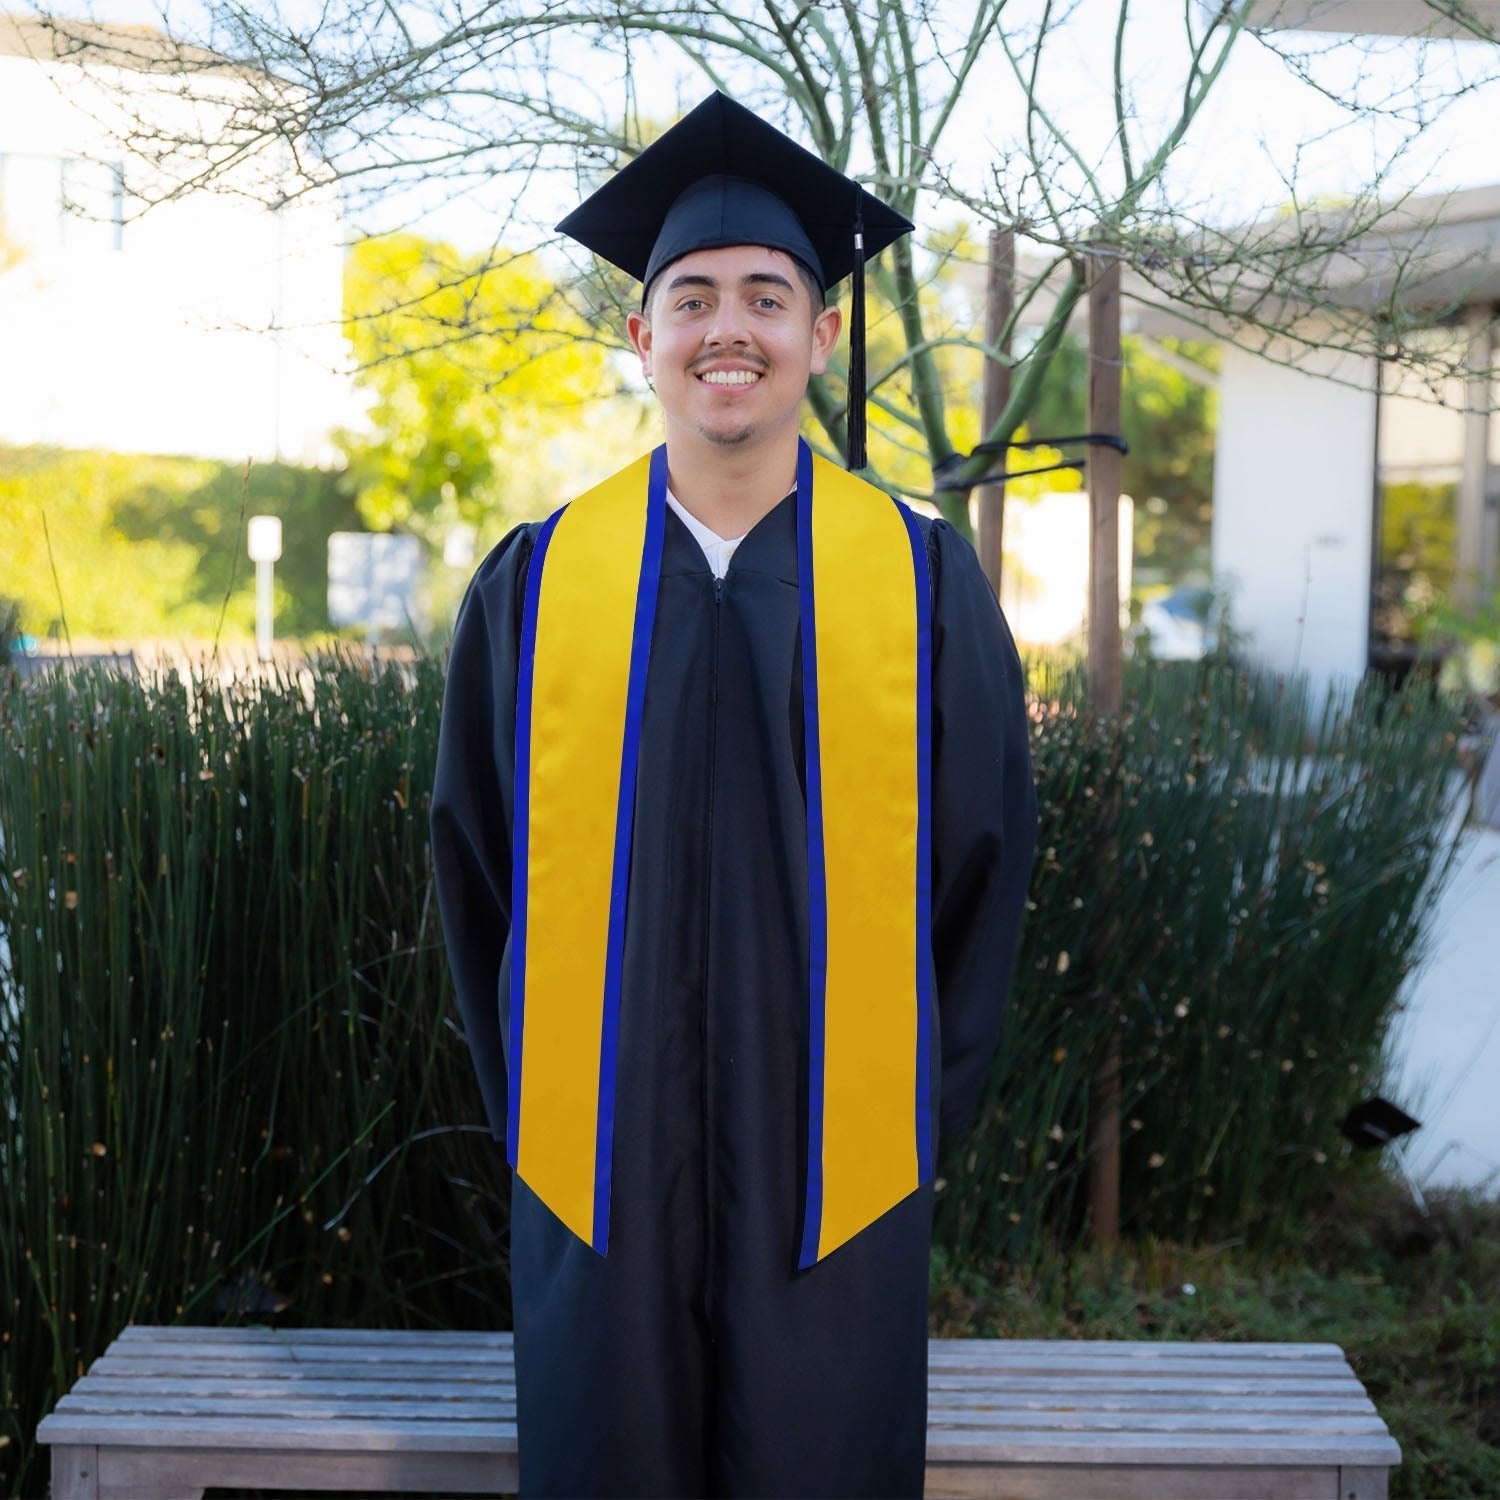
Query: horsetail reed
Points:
[235, 1090]
[225, 1007]
[1277, 861]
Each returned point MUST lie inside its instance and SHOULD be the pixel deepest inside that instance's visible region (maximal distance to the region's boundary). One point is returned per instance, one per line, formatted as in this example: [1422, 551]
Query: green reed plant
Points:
[1265, 889]
[232, 1088]
[235, 1086]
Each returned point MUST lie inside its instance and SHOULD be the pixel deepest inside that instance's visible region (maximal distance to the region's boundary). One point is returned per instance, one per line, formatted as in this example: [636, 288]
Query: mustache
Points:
[754, 361]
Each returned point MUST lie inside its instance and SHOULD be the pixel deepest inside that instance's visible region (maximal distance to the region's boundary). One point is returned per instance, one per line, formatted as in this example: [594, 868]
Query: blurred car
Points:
[1181, 625]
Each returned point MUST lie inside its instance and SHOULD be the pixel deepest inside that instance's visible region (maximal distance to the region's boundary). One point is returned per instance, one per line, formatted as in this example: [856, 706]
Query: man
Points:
[732, 828]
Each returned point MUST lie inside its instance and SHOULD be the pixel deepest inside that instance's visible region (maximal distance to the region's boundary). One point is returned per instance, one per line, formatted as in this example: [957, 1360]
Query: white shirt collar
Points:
[717, 549]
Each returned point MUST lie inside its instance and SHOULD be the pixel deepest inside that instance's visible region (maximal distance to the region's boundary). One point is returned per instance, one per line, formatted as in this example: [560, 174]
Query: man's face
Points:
[729, 340]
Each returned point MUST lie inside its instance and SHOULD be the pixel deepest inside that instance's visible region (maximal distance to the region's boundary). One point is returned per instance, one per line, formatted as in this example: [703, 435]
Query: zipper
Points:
[705, 1019]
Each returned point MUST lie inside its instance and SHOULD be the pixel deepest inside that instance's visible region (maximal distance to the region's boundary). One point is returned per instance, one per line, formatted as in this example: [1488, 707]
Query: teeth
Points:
[730, 377]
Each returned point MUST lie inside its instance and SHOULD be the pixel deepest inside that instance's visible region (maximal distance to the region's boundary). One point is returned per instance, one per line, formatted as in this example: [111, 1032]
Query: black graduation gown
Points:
[695, 1359]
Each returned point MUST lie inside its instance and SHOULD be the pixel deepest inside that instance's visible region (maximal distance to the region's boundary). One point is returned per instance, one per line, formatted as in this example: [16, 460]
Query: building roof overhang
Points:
[137, 49]
[1450, 19]
[1433, 257]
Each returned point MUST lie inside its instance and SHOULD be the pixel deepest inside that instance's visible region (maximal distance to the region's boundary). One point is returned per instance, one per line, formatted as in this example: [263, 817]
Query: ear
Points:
[825, 336]
[639, 328]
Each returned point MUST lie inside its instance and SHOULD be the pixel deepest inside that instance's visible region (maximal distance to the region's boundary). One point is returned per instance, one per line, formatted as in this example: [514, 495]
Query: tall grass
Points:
[235, 1088]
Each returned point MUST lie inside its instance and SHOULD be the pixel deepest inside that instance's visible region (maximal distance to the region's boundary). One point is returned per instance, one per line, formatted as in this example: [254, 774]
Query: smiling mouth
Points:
[729, 377]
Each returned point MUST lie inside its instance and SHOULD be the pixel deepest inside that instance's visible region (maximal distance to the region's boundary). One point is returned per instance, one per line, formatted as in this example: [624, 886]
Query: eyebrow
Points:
[755, 278]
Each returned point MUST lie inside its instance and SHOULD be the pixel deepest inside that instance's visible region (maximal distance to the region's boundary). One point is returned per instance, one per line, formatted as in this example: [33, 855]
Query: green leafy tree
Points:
[898, 448]
[476, 368]
[126, 546]
[1418, 544]
[1169, 416]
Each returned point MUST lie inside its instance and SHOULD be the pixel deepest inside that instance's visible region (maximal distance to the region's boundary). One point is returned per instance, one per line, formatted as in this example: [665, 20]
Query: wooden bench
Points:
[167, 1412]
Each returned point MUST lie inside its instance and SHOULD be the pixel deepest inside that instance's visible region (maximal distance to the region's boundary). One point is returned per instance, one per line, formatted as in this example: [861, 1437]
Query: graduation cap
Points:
[722, 176]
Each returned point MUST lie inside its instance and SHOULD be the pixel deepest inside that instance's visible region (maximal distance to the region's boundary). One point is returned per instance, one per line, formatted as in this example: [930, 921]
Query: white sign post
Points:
[265, 549]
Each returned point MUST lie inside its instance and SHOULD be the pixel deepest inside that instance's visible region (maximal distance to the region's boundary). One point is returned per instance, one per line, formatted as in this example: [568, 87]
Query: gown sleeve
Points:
[984, 815]
[472, 804]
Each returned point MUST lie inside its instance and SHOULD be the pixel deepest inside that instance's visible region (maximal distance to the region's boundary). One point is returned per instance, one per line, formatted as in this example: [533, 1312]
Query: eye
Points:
[691, 304]
[768, 302]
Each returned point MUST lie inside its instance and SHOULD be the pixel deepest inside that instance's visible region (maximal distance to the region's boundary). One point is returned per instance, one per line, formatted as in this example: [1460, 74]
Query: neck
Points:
[730, 489]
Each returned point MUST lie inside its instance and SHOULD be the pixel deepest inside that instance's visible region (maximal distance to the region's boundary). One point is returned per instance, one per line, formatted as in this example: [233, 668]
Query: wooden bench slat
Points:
[1101, 1364]
[1203, 1409]
[1248, 1387]
[278, 1356]
[1275, 1425]
[1031, 1445]
[288, 1386]
[989, 1349]
[288, 1369]
[211, 1361]
[950, 1444]
[1218, 1413]
[485, 1380]
[416, 1344]
[938, 1349]
[170, 1420]
[352, 1412]
[401, 1338]
[1187, 1395]
[84, 1424]
[211, 1432]
[294, 1391]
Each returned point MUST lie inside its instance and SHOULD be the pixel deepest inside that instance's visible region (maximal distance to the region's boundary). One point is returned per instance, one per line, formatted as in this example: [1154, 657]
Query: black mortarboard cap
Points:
[722, 176]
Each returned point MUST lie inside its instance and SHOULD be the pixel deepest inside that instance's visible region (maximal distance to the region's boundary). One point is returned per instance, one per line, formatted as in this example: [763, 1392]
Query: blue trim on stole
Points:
[614, 961]
[521, 828]
[926, 1159]
[817, 878]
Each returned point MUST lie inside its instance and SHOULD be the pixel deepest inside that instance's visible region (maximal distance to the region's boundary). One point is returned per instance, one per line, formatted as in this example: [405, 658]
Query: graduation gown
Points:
[695, 1359]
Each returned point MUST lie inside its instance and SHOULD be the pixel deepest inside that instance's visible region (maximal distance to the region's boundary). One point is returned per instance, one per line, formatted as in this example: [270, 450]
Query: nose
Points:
[729, 326]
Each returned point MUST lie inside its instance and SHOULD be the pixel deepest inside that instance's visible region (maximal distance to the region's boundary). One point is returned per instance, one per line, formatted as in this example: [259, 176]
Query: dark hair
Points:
[815, 293]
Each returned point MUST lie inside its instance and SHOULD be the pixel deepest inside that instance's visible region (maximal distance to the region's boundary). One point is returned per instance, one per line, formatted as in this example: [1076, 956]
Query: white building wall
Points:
[1044, 577]
[208, 326]
[1294, 478]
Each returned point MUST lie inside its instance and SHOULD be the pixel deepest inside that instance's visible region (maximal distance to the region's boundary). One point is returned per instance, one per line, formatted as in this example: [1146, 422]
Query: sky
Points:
[1261, 123]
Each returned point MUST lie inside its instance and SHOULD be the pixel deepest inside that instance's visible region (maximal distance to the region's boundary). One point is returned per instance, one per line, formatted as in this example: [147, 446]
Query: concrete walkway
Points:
[1446, 1047]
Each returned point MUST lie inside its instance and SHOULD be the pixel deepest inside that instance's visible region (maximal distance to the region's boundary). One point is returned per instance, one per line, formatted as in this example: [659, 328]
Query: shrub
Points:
[1244, 929]
[147, 546]
[10, 629]
[236, 1088]
[225, 1013]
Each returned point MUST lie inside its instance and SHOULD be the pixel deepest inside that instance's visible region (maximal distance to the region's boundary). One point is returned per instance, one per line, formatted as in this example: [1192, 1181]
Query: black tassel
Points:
[857, 456]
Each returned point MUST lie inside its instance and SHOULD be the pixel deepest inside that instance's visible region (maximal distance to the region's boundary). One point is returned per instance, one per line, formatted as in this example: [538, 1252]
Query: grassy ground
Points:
[1414, 1301]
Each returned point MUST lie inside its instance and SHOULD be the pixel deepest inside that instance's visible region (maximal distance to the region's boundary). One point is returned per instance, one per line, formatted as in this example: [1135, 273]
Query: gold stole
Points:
[866, 649]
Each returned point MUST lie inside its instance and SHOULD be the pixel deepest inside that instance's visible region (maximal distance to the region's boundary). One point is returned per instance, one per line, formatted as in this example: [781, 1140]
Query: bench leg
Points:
[75, 1473]
[1363, 1484]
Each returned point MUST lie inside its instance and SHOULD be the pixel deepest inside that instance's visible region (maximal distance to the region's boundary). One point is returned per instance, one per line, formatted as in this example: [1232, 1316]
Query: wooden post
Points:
[1474, 575]
[1104, 668]
[999, 300]
[1104, 467]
